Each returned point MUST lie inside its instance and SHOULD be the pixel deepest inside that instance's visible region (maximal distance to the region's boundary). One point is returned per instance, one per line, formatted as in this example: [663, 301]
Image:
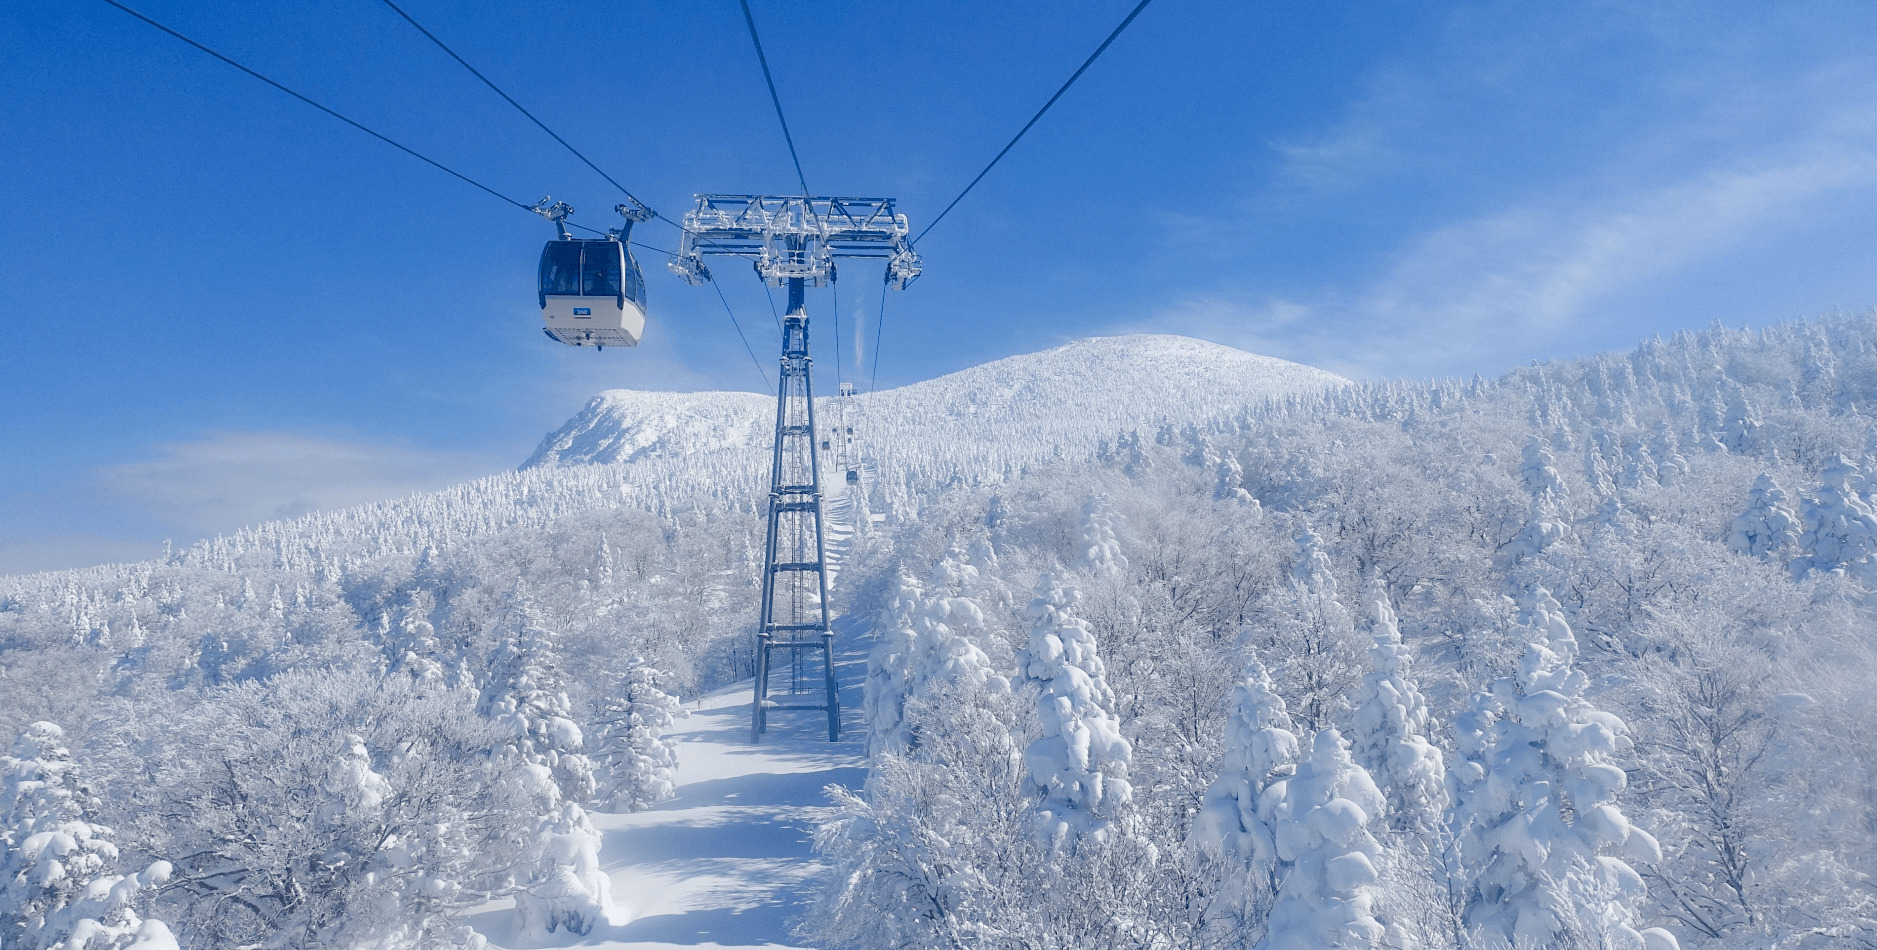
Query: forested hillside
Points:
[1172, 646]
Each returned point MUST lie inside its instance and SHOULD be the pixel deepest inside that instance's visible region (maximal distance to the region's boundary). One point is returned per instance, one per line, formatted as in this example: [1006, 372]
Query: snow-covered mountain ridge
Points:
[1068, 396]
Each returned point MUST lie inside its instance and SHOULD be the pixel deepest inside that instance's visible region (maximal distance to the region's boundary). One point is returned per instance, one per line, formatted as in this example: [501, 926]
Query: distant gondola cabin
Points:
[592, 293]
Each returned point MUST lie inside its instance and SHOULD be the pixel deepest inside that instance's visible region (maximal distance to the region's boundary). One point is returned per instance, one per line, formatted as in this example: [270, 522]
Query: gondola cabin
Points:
[592, 293]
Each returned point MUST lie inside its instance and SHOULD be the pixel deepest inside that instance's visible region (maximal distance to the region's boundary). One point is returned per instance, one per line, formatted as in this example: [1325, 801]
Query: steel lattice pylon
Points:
[795, 566]
[793, 241]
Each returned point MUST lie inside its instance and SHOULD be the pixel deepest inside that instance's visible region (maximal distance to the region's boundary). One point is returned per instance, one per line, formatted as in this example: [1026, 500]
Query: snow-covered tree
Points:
[889, 666]
[1230, 484]
[1538, 470]
[1391, 727]
[1535, 802]
[1322, 819]
[562, 886]
[604, 567]
[1840, 526]
[325, 809]
[1234, 820]
[1099, 552]
[988, 585]
[526, 692]
[939, 849]
[411, 643]
[1077, 767]
[59, 881]
[1305, 625]
[948, 629]
[1723, 757]
[1740, 425]
[636, 767]
[1544, 527]
[1768, 528]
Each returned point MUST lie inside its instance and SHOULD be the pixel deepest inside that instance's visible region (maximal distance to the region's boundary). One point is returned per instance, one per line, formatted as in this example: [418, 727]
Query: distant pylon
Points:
[795, 564]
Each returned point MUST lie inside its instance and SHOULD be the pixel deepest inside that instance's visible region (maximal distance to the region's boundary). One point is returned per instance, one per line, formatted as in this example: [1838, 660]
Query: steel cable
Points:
[739, 333]
[473, 71]
[750, 19]
[331, 112]
[1039, 114]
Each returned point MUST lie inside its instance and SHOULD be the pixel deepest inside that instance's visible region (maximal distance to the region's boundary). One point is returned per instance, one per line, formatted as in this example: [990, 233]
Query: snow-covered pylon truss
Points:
[795, 238]
[794, 242]
[795, 618]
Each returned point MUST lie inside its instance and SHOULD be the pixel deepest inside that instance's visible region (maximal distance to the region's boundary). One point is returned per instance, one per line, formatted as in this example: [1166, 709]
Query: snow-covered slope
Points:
[627, 425]
[1060, 399]
[665, 452]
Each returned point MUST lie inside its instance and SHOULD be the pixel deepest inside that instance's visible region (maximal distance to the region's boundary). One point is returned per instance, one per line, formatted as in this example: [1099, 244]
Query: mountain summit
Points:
[1069, 396]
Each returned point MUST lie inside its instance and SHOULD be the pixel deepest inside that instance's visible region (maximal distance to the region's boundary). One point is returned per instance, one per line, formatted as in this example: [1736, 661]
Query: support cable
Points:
[878, 326]
[834, 287]
[357, 125]
[1026, 126]
[750, 19]
[773, 314]
[739, 333]
[473, 71]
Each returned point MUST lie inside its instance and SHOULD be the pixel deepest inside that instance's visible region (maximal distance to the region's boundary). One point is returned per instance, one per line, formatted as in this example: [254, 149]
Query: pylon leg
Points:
[834, 693]
[759, 718]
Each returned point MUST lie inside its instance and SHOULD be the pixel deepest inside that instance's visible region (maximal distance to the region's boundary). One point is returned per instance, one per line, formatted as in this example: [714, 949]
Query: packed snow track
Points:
[727, 863]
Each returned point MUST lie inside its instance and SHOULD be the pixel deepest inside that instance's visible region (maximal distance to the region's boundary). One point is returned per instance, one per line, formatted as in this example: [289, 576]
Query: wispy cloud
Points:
[231, 479]
[1525, 275]
[1508, 188]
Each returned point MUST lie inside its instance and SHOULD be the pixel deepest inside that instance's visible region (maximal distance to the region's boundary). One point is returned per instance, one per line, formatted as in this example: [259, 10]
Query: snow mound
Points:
[1064, 398]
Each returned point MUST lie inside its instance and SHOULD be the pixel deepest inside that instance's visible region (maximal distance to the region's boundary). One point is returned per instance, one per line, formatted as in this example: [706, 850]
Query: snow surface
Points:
[729, 861]
[1078, 393]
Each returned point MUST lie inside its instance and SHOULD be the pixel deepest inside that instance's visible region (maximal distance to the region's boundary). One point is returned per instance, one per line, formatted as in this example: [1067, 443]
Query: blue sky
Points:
[223, 306]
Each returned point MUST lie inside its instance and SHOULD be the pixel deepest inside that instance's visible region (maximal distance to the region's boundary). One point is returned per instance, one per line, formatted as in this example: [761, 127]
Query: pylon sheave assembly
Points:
[794, 243]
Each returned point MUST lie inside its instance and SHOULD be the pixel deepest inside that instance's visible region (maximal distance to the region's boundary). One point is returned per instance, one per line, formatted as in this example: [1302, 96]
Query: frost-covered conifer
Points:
[1599, 452]
[1840, 526]
[58, 882]
[1639, 468]
[989, 586]
[1669, 463]
[526, 693]
[412, 645]
[1135, 462]
[603, 570]
[1768, 528]
[1322, 817]
[636, 766]
[946, 647]
[1230, 485]
[1544, 527]
[1099, 552]
[1740, 424]
[562, 886]
[1078, 767]
[1260, 750]
[1390, 738]
[1538, 470]
[889, 666]
[1535, 809]
[1311, 567]
[1199, 451]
